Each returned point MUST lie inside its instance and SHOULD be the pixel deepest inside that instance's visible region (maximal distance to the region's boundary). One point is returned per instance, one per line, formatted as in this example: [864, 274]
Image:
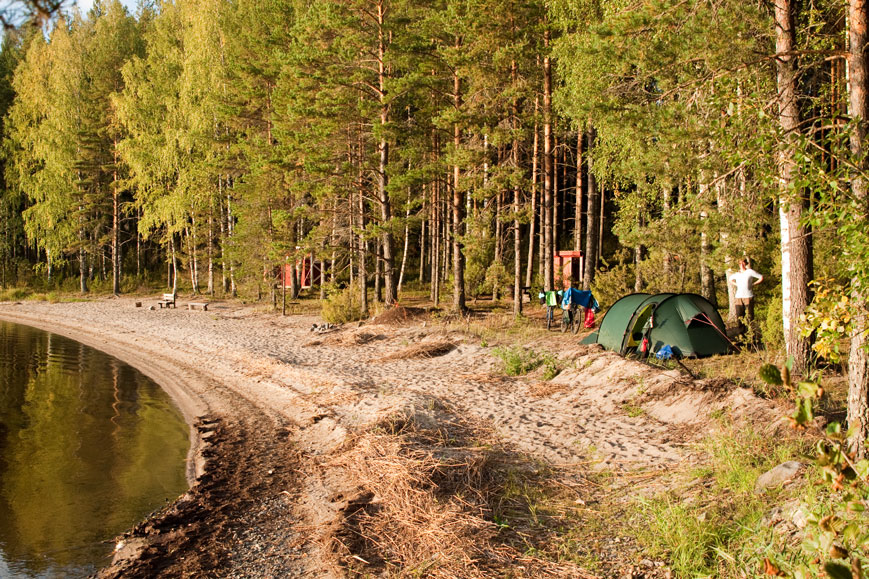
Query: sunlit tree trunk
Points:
[529, 271]
[404, 252]
[577, 206]
[458, 208]
[517, 234]
[592, 228]
[858, 361]
[547, 209]
[116, 226]
[796, 247]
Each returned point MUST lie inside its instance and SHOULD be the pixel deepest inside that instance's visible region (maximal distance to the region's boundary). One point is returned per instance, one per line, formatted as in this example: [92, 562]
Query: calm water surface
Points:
[88, 447]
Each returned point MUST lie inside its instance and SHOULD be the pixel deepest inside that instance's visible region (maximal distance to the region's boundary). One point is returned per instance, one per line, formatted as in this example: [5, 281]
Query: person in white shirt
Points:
[744, 281]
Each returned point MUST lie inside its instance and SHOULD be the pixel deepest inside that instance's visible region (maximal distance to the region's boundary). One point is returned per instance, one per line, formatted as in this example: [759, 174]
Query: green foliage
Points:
[343, 305]
[498, 276]
[837, 537]
[719, 534]
[551, 366]
[15, 294]
[517, 360]
[772, 327]
[612, 284]
[830, 317]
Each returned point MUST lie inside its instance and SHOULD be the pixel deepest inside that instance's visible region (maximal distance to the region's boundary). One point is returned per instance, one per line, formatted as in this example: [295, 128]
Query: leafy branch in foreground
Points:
[837, 537]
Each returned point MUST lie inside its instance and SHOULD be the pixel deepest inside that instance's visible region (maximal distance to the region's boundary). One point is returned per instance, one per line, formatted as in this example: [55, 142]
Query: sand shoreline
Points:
[274, 408]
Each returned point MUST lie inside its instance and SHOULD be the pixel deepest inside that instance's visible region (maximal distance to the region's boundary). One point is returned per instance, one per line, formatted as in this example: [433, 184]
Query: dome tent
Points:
[688, 323]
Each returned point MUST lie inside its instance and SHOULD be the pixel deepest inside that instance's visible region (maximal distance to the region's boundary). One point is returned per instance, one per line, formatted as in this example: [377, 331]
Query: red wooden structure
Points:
[568, 269]
[307, 270]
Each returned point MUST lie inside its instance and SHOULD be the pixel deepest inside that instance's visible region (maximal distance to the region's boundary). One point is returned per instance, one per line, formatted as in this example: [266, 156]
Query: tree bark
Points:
[459, 305]
[82, 270]
[406, 247]
[529, 271]
[592, 214]
[423, 253]
[577, 206]
[796, 246]
[547, 224]
[517, 237]
[387, 241]
[362, 272]
[116, 227]
[858, 361]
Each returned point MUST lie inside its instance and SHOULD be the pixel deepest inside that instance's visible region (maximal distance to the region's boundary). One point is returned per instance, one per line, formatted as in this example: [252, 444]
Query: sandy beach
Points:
[289, 427]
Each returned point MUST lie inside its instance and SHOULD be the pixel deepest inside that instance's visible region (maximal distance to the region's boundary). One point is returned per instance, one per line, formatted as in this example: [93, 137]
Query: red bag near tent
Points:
[589, 318]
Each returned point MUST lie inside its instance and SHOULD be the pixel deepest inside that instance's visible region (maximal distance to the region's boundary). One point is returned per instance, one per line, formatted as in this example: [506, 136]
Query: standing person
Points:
[744, 282]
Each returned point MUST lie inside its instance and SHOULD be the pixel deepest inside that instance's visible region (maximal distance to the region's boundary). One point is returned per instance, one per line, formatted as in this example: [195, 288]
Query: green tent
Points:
[687, 323]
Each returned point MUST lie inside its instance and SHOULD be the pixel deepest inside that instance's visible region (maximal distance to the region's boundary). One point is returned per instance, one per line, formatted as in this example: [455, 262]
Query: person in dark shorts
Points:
[744, 280]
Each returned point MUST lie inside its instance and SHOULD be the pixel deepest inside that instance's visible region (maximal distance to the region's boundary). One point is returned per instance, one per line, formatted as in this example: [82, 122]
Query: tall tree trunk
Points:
[210, 255]
[796, 246]
[378, 272]
[858, 360]
[556, 202]
[499, 245]
[577, 206]
[404, 252]
[224, 271]
[517, 233]
[723, 235]
[639, 283]
[362, 272]
[138, 244]
[707, 275]
[423, 227]
[529, 271]
[458, 207]
[174, 264]
[387, 241]
[547, 224]
[592, 214]
[82, 267]
[230, 227]
[116, 227]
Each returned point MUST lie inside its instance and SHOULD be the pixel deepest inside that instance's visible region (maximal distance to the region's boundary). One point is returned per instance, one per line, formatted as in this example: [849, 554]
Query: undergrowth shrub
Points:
[15, 294]
[715, 527]
[772, 326]
[518, 361]
[836, 539]
[343, 305]
[611, 285]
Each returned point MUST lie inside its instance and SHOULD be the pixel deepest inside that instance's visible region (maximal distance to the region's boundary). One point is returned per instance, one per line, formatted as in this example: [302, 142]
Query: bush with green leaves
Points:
[343, 305]
[836, 542]
[518, 361]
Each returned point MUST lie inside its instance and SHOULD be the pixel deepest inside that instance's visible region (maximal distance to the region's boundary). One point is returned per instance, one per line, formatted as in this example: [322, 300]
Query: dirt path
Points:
[274, 403]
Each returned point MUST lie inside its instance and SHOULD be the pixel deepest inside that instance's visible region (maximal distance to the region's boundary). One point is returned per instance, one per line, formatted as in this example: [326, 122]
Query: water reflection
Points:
[88, 447]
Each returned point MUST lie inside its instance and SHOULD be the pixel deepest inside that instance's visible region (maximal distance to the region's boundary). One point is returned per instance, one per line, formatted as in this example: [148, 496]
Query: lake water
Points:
[88, 447]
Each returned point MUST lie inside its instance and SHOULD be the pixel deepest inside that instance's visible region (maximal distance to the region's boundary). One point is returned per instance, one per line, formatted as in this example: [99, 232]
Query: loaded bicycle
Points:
[550, 300]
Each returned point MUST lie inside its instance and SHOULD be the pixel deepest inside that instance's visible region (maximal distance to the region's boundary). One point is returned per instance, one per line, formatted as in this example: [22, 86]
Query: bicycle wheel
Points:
[548, 318]
[564, 324]
[577, 322]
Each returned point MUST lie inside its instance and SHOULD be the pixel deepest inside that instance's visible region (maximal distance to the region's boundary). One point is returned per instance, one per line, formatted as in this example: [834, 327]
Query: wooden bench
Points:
[194, 305]
[168, 300]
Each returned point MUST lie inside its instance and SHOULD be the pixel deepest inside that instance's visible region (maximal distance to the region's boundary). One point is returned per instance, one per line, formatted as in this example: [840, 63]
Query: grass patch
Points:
[518, 361]
[26, 294]
[714, 525]
[15, 294]
[343, 305]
